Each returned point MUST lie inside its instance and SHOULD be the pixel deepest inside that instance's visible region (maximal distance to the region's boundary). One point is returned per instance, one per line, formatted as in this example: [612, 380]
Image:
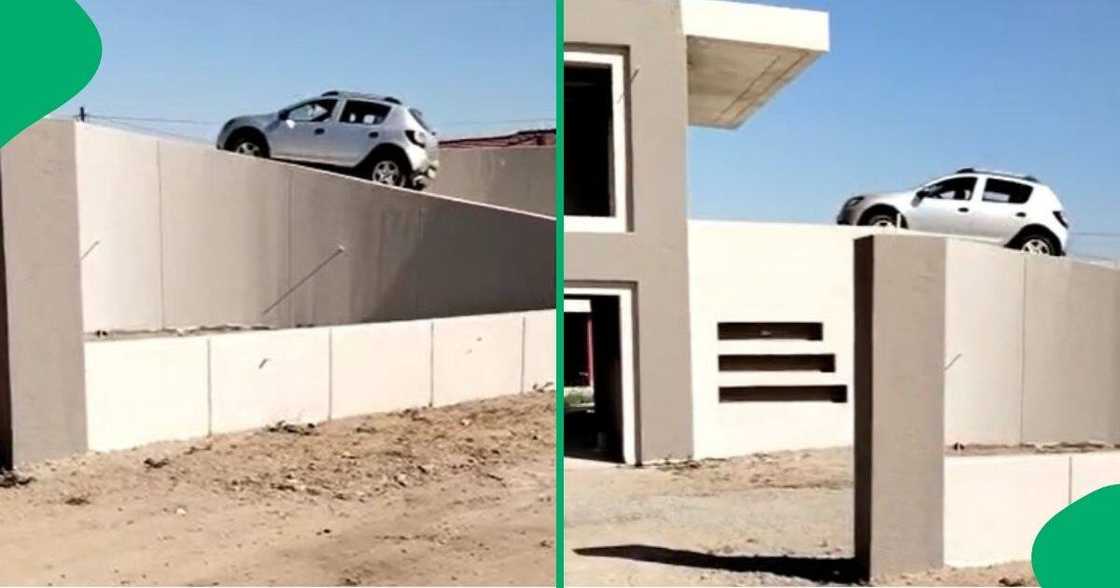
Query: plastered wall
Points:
[174, 234]
[995, 505]
[522, 178]
[765, 272]
[1031, 348]
[153, 389]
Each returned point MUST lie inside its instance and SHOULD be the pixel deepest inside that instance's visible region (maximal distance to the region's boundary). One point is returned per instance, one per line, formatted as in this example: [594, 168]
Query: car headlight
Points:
[853, 201]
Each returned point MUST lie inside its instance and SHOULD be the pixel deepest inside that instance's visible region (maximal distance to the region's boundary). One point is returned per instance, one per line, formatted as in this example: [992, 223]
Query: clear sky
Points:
[915, 88]
[473, 67]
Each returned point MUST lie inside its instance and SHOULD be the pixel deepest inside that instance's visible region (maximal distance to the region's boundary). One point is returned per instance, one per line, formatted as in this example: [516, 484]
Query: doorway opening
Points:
[599, 375]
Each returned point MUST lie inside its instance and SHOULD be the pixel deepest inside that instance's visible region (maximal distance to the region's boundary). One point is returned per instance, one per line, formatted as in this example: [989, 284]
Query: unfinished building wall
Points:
[176, 235]
[521, 178]
[771, 320]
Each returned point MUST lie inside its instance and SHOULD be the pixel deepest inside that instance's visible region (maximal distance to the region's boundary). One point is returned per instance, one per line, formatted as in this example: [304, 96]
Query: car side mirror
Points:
[282, 115]
[924, 192]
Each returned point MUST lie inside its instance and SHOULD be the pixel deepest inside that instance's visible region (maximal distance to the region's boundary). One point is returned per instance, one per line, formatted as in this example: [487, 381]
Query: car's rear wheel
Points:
[390, 171]
[1037, 243]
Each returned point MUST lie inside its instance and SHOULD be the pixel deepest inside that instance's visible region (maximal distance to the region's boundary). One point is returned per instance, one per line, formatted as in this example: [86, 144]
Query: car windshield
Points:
[419, 116]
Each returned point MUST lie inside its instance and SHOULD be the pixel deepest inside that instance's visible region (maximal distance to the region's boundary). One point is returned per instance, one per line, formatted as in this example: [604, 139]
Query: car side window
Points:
[1005, 192]
[314, 111]
[952, 189]
[359, 112]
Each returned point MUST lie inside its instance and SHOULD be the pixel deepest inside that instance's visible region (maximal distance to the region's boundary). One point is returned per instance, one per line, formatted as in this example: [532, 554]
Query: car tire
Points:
[389, 170]
[1036, 243]
[884, 219]
[248, 145]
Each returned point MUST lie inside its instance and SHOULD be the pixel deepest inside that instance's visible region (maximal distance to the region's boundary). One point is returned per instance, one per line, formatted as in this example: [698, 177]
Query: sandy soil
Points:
[461, 495]
[769, 519]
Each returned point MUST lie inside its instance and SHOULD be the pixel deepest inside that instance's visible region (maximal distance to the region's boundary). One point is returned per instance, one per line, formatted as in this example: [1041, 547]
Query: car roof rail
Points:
[974, 170]
[331, 93]
[391, 100]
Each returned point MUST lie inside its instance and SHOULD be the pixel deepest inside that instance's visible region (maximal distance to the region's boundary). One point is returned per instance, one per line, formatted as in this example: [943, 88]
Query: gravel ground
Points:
[782, 519]
[458, 495]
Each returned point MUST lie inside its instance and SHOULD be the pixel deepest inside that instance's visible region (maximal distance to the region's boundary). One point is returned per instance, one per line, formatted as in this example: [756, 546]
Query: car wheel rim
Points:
[882, 222]
[247, 148]
[1037, 247]
[387, 172]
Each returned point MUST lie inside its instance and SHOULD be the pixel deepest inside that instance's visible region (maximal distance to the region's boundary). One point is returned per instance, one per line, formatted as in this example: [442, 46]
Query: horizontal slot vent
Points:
[831, 393]
[794, 331]
[823, 362]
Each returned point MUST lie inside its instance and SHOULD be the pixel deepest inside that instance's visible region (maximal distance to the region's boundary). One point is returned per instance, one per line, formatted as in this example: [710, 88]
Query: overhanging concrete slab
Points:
[739, 55]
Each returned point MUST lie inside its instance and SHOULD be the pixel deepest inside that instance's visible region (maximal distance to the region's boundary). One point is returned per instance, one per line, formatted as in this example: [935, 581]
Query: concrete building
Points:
[133, 266]
[637, 74]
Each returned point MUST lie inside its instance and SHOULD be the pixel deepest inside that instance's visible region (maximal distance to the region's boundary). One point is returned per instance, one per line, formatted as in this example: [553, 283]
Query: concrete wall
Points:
[996, 505]
[42, 407]
[766, 272]
[176, 234]
[1031, 348]
[652, 256]
[522, 178]
[899, 402]
[152, 389]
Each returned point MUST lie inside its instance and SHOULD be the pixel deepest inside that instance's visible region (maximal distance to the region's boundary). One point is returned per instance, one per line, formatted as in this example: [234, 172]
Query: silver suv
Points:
[375, 136]
[1013, 210]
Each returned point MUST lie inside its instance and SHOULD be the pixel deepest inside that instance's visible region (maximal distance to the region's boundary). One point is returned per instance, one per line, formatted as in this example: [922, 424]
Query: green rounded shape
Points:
[51, 50]
[1080, 546]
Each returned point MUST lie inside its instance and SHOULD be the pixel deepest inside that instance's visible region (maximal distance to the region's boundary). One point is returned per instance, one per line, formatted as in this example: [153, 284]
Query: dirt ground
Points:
[459, 495]
[769, 519]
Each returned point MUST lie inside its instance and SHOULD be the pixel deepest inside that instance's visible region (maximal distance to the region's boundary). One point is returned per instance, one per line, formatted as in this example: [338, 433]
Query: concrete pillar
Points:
[42, 373]
[899, 402]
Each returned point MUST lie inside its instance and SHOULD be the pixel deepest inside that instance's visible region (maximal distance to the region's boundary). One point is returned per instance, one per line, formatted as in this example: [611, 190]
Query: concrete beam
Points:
[899, 403]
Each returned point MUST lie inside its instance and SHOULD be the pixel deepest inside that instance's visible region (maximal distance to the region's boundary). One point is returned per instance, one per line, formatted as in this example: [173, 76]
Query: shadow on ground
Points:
[815, 569]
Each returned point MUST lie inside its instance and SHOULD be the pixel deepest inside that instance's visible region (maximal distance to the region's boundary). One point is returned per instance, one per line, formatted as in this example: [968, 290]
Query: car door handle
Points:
[320, 131]
[373, 135]
[962, 209]
[1021, 214]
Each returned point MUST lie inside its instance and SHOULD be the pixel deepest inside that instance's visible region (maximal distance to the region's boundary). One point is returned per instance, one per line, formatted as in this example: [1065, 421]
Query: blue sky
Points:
[473, 66]
[915, 88]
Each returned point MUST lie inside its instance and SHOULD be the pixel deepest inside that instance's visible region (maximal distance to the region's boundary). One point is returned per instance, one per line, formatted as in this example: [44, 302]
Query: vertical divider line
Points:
[330, 374]
[1023, 356]
[159, 227]
[209, 387]
[524, 330]
[432, 363]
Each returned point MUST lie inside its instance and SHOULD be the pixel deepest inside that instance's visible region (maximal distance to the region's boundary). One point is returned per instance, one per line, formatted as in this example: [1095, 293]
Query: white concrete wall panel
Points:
[380, 367]
[995, 505]
[763, 272]
[540, 350]
[225, 237]
[1092, 471]
[476, 260]
[145, 390]
[261, 378]
[1072, 335]
[521, 178]
[476, 357]
[119, 227]
[983, 343]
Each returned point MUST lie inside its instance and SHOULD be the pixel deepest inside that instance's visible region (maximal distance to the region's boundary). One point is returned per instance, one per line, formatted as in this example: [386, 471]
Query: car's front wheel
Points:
[248, 143]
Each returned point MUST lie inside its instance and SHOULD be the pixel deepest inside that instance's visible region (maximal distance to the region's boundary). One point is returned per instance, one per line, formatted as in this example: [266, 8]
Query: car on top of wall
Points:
[1016, 211]
[376, 137]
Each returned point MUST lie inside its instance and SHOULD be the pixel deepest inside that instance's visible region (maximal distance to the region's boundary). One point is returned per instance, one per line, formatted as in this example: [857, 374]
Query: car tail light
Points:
[418, 137]
[1061, 218]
